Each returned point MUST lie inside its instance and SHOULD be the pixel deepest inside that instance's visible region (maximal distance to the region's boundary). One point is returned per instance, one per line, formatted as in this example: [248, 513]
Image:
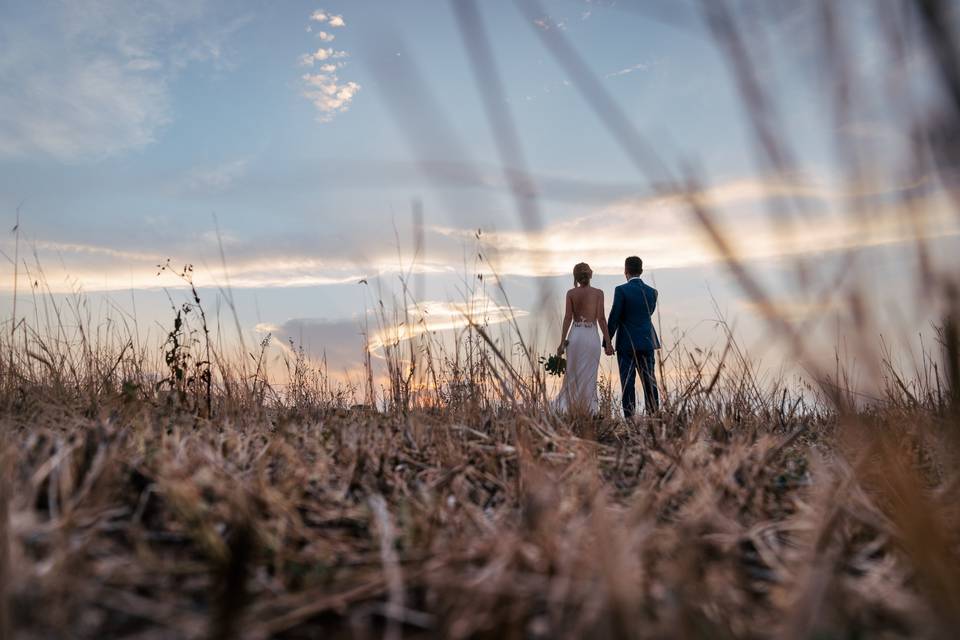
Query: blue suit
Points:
[636, 341]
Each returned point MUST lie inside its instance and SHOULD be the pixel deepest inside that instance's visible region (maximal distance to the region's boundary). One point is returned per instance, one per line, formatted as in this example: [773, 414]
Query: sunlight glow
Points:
[434, 315]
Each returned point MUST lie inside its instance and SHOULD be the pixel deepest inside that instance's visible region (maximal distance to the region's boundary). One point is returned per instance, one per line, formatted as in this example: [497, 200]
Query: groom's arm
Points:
[615, 311]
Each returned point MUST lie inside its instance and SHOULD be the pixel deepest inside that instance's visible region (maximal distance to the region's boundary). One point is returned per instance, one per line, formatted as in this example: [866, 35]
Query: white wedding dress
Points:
[579, 391]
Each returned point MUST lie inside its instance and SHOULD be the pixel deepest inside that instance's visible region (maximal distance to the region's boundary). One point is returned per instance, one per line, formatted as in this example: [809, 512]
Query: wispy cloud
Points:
[92, 80]
[71, 266]
[660, 228]
[257, 262]
[546, 23]
[216, 178]
[340, 341]
[438, 315]
[324, 89]
[640, 66]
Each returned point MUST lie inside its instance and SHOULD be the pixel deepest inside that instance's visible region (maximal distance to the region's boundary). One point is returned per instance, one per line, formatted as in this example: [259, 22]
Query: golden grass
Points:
[132, 512]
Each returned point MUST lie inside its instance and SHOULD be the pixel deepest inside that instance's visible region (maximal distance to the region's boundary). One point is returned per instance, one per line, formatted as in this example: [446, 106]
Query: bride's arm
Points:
[602, 321]
[567, 319]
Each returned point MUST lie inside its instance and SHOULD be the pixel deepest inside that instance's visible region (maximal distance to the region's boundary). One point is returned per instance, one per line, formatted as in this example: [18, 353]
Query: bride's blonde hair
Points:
[582, 274]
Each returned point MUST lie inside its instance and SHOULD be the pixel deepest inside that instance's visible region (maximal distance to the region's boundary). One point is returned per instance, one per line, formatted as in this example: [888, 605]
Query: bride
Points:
[584, 310]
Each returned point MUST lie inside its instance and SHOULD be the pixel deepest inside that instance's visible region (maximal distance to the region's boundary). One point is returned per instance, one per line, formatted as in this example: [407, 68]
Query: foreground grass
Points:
[136, 520]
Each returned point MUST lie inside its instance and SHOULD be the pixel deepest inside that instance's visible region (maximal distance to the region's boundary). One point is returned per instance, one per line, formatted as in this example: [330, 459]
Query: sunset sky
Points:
[301, 134]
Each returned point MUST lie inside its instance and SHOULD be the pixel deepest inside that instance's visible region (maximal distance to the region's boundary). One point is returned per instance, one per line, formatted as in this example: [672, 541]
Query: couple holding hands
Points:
[631, 325]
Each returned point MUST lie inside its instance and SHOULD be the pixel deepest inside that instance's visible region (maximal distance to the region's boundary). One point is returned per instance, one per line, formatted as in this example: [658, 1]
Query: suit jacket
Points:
[630, 321]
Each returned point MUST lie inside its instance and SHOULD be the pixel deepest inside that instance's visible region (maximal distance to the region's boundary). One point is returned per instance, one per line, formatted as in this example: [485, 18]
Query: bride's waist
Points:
[584, 324]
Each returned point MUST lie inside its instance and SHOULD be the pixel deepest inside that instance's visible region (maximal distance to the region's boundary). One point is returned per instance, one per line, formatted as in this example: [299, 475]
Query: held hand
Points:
[560, 348]
[609, 350]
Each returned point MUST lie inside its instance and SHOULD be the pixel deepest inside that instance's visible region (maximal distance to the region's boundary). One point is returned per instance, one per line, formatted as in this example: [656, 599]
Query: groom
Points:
[636, 339]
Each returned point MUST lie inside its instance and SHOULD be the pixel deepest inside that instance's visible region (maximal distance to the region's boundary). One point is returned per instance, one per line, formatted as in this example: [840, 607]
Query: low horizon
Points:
[290, 155]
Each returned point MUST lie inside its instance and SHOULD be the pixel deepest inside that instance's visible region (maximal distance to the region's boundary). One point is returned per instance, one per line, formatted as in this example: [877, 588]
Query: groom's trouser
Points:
[630, 363]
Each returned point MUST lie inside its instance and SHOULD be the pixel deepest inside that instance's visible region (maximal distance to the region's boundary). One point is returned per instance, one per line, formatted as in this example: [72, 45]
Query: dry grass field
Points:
[136, 509]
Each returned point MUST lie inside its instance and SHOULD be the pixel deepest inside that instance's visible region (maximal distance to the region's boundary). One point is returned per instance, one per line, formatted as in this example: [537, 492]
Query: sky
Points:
[283, 147]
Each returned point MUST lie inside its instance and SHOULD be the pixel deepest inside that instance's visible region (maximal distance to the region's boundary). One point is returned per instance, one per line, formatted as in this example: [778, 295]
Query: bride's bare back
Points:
[585, 304]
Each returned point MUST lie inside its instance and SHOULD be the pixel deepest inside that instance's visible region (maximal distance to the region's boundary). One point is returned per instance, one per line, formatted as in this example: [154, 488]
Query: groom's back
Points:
[635, 328]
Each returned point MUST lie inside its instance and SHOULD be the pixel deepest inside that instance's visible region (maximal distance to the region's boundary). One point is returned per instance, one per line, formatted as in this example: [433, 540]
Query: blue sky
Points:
[128, 128]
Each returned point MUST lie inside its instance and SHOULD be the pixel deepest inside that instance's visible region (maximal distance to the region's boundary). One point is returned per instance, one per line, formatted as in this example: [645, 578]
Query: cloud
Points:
[792, 310]
[338, 341]
[323, 17]
[320, 55]
[438, 315]
[546, 24]
[217, 178]
[342, 341]
[99, 107]
[77, 248]
[268, 253]
[69, 266]
[258, 260]
[661, 230]
[328, 94]
[640, 66]
[93, 80]
[325, 90]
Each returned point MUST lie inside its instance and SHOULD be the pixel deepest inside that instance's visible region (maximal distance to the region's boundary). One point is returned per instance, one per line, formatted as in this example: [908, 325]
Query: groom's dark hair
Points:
[633, 265]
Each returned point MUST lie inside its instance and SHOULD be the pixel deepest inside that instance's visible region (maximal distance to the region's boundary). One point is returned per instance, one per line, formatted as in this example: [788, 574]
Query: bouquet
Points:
[555, 365]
